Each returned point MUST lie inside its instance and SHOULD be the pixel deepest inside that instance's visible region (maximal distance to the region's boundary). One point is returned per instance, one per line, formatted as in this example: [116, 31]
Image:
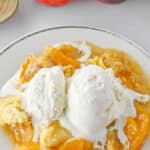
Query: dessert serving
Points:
[77, 96]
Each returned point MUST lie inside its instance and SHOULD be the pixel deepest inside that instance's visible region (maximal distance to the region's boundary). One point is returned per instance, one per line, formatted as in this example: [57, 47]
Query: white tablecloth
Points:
[131, 18]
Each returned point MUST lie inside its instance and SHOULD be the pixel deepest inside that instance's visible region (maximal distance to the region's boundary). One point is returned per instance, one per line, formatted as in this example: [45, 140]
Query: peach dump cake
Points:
[77, 96]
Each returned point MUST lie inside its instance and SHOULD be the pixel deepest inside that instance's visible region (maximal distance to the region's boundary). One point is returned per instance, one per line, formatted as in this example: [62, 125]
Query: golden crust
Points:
[96, 61]
[53, 135]
[11, 111]
[68, 70]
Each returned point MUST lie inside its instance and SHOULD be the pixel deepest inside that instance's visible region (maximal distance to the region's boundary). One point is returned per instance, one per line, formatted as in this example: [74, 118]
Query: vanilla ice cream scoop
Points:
[44, 97]
[95, 99]
[90, 97]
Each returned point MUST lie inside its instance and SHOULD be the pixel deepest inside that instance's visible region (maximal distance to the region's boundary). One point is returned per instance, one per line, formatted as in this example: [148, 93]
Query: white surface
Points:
[131, 18]
[36, 43]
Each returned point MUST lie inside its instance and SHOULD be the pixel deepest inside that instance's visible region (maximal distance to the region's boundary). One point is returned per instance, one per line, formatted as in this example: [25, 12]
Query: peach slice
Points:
[29, 69]
[61, 59]
[77, 144]
[137, 129]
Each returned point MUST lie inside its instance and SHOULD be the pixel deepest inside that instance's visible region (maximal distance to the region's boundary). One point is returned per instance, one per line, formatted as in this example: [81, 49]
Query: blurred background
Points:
[130, 18]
